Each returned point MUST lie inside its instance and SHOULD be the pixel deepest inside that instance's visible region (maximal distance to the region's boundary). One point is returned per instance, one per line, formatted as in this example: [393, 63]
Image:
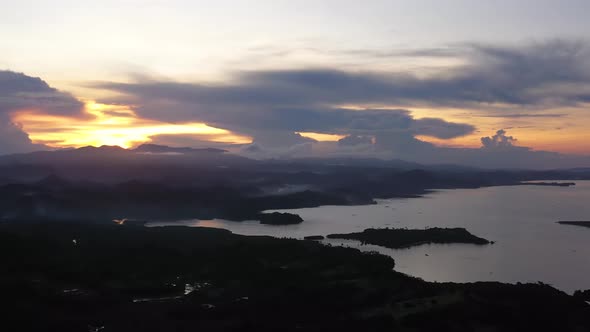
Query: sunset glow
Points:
[322, 137]
[111, 125]
[295, 79]
[543, 130]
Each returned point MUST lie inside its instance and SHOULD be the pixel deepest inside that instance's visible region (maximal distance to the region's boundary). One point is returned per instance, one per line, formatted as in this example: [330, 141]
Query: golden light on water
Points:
[111, 125]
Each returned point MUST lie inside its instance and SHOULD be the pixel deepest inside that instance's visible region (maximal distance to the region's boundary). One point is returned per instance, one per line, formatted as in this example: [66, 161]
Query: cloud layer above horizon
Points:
[372, 110]
[369, 113]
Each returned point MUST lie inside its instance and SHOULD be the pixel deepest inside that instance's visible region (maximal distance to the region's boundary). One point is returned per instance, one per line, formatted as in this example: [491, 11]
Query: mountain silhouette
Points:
[163, 149]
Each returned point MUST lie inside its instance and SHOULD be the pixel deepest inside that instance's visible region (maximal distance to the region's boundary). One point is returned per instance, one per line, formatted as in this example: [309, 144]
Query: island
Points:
[90, 277]
[549, 184]
[575, 223]
[314, 237]
[278, 218]
[403, 238]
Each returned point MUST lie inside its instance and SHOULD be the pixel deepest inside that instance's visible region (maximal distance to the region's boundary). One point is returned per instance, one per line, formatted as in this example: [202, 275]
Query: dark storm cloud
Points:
[20, 92]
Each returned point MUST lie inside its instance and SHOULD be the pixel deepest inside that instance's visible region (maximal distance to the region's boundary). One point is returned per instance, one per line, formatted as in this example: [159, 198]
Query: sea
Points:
[530, 246]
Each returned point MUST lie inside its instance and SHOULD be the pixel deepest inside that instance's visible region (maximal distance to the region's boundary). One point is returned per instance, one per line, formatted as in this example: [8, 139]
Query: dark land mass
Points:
[583, 294]
[575, 223]
[154, 182]
[549, 184]
[277, 218]
[314, 237]
[404, 238]
[88, 277]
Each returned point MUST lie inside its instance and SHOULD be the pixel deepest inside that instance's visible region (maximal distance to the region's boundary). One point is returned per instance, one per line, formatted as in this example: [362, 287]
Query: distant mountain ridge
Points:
[113, 163]
[165, 183]
[155, 148]
[94, 154]
[28, 165]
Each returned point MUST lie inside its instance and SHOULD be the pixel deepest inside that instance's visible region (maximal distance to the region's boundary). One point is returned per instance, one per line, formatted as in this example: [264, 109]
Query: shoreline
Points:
[210, 279]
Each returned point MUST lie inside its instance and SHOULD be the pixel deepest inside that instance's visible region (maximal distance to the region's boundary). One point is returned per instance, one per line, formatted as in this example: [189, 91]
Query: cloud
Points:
[499, 141]
[382, 133]
[272, 110]
[13, 139]
[279, 139]
[352, 140]
[272, 105]
[538, 75]
[554, 72]
[433, 52]
[525, 115]
[498, 151]
[19, 92]
[439, 128]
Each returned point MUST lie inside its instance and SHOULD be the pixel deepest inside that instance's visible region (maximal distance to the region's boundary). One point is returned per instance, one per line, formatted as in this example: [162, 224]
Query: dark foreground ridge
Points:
[575, 223]
[404, 238]
[583, 294]
[88, 277]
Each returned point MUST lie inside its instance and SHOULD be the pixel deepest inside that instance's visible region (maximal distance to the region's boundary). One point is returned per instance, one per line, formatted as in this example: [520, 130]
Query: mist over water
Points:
[530, 245]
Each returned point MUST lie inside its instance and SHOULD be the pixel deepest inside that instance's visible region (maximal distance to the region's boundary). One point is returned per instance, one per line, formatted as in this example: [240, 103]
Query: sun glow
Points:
[111, 125]
[322, 137]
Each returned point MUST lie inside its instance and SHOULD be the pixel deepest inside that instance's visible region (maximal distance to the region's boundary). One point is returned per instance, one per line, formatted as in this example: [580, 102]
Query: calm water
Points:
[529, 247]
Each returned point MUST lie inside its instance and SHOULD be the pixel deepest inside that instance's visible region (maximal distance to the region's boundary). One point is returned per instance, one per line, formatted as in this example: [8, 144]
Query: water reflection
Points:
[529, 247]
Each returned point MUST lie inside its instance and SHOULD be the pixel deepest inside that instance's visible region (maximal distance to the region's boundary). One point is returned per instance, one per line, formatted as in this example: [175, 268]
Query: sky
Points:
[494, 83]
